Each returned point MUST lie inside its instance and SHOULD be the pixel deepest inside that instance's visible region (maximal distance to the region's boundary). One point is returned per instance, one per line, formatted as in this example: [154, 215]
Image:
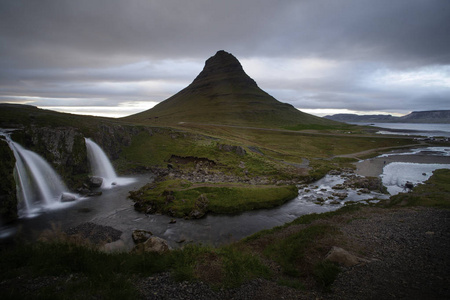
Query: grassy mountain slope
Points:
[224, 94]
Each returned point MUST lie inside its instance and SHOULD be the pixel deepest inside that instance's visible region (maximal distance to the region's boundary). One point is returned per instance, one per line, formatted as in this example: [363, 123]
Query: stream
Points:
[113, 208]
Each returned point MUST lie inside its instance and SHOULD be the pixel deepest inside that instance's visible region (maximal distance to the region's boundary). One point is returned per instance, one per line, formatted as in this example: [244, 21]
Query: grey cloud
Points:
[98, 32]
[67, 49]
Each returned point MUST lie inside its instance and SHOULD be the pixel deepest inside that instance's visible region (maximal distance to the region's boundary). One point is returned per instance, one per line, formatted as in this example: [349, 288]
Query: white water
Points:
[101, 166]
[39, 187]
[396, 174]
[430, 151]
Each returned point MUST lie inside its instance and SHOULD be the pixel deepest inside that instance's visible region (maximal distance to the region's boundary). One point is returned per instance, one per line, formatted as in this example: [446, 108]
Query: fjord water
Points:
[428, 130]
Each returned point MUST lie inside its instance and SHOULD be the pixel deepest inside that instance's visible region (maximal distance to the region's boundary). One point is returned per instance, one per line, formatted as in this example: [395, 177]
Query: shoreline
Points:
[373, 167]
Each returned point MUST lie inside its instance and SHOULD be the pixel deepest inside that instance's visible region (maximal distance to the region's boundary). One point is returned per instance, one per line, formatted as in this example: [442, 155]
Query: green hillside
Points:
[224, 94]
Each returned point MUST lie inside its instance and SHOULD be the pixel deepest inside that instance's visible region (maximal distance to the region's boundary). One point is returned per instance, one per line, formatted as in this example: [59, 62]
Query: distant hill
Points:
[224, 94]
[432, 116]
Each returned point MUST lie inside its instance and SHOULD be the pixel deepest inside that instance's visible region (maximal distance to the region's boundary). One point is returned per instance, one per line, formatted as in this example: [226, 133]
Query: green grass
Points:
[97, 273]
[305, 219]
[291, 252]
[325, 273]
[239, 266]
[79, 271]
[180, 198]
[341, 126]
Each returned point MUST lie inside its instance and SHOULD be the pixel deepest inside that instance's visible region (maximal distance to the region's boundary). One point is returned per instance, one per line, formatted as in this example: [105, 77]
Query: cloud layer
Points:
[364, 55]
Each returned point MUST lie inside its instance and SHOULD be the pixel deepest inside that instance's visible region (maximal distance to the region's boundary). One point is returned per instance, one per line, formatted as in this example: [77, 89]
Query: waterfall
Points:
[38, 185]
[101, 166]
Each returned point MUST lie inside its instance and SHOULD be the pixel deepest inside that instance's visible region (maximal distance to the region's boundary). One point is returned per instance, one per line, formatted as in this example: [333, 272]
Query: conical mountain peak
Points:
[222, 67]
[224, 94]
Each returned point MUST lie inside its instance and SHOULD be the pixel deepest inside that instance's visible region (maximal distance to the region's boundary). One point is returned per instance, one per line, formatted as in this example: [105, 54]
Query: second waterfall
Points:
[101, 166]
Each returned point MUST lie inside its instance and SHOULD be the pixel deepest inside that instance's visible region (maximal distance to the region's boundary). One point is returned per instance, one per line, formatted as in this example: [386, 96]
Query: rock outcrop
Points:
[343, 258]
[63, 147]
[113, 137]
[235, 149]
[140, 236]
[8, 199]
[152, 244]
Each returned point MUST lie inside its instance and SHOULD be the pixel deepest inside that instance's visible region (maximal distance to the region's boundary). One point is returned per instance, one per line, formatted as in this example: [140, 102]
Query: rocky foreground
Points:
[400, 253]
[391, 254]
[405, 256]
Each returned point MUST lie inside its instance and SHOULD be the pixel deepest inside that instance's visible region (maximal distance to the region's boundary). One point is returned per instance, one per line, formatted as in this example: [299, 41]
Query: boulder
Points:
[341, 196]
[153, 244]
[339, 187]
[196, 214]
[335, 172]
[140, 236]
[200, 207]
[95, 181]
[67, 197]
[343, 257]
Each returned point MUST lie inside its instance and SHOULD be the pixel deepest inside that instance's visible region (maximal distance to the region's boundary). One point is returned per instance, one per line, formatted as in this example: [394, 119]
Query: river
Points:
[113, 208]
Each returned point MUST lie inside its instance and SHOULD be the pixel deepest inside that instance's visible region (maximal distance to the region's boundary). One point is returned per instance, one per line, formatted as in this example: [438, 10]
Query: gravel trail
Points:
[411, 252]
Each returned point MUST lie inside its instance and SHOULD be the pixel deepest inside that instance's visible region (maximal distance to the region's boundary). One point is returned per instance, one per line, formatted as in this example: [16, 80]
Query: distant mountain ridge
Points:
[223, 93]
[431, 116]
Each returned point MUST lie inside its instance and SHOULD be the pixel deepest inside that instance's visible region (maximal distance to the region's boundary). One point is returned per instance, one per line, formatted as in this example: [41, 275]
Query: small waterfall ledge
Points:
[101, 166]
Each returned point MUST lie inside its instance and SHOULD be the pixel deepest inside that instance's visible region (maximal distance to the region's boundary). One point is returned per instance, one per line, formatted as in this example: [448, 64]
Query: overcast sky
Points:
[114, 58]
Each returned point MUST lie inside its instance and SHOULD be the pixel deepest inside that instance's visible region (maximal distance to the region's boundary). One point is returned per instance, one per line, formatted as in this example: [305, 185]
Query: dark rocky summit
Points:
[222, 66]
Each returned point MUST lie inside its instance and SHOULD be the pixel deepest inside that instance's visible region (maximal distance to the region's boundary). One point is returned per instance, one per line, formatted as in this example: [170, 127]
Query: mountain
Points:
[224, 94]
[432, 116]
[360, 118]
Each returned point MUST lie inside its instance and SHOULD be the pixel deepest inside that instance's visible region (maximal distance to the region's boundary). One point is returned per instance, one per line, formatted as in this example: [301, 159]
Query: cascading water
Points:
[102, 167]
[38, 185]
